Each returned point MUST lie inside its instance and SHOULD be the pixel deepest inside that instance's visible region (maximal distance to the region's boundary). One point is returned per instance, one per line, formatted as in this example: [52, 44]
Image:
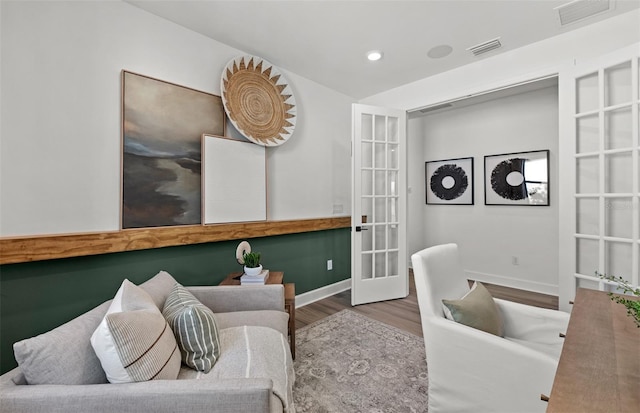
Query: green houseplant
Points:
[252, 263]
[633, 306]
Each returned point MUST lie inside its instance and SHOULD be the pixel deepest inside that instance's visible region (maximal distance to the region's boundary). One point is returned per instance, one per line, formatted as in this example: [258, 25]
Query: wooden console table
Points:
[599, 369]
[276, 277]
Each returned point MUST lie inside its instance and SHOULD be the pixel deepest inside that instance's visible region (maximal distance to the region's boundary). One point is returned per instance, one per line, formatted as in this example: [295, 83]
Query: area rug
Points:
[350, 363]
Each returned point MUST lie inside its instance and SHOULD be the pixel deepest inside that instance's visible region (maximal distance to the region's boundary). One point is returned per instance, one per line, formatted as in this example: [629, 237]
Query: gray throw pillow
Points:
[194, 327]
[476, 309]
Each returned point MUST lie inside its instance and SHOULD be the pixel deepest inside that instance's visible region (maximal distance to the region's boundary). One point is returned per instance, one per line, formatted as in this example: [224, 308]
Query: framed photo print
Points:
[449, 181]
[520, 178]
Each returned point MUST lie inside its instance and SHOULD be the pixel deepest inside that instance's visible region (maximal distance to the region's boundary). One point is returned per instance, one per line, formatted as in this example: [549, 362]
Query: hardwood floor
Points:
[403, 313]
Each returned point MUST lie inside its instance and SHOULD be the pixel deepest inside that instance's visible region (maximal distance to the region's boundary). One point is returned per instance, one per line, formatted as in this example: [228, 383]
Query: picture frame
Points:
[519, 178]
[449, 182]
[162, 127]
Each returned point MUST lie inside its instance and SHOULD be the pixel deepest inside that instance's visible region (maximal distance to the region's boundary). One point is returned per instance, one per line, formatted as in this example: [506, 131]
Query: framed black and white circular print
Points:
[520, 178]
[449, 181]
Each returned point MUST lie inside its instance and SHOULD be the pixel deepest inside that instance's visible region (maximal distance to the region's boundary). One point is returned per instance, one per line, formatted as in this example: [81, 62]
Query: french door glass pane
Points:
[393, 263]
[618, 259]
[587, 256]
[380, 237]
[381, 155]
[380, 215]
[367, 269]
[367, 127]
[381, 183]
[367, 182]
[618, 172]
[367, 240]
[393, 157]
[587, 175]
[617, 84]
[393, 210]
[618, 129]
[587, 93]
[392, 125]
[367, 155]
[393, 237]
[587, 215]
[381, 131]
[588, 136]
[618, 218]
[381, 265]
[393, 183]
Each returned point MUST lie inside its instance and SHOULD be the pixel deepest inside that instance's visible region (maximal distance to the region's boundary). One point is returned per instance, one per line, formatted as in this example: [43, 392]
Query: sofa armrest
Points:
[158, 396]
[229, 298]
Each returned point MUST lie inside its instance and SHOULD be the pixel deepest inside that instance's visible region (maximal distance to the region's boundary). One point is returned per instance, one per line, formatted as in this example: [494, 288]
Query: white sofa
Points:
[474, 371]
[59, 372]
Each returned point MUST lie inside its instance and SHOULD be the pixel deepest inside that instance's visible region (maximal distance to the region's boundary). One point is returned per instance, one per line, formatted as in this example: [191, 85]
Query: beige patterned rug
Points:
[349, 363]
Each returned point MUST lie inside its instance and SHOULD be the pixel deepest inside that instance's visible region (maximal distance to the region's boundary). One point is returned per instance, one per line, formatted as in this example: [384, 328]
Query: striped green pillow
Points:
[194, 327]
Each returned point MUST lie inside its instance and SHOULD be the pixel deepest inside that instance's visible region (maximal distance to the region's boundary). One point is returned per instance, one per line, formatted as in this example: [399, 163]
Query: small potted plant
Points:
[252, 265]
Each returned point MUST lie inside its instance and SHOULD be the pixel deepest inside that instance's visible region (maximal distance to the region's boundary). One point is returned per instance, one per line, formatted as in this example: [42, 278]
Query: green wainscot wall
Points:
[38, 296]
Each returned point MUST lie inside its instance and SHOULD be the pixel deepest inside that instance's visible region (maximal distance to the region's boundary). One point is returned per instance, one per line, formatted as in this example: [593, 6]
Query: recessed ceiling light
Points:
[439, 52]
[374, 55]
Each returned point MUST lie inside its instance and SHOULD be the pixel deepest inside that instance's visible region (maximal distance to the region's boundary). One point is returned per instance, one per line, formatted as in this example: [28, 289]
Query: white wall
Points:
[60, 110]
[490, 235]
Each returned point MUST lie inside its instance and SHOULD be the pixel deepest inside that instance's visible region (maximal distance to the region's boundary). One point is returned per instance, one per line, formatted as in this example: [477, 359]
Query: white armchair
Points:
[474, 371]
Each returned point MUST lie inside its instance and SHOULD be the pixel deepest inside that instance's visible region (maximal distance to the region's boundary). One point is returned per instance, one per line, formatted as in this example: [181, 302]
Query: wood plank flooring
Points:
[404, 313]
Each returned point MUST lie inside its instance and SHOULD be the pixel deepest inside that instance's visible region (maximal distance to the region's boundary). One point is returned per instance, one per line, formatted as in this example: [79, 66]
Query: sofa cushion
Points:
[277, 320]
[63, 355]
[253, 352]
[194, 327]
[476, 309]
[159, 287]
[133, 341]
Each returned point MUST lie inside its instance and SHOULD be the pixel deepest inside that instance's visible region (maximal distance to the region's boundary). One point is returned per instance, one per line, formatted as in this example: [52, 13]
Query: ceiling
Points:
[326, 41]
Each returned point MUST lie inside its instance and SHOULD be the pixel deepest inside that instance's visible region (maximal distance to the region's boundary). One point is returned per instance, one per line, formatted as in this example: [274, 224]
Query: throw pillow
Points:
[194, 327]
[476, 309]
[133, 341]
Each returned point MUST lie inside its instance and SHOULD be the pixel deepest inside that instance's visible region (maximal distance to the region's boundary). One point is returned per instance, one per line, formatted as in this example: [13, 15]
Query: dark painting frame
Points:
[449, 182]
[518, 178]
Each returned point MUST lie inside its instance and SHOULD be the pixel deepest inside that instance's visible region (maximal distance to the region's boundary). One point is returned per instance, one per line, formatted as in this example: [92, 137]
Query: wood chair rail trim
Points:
[47, 247]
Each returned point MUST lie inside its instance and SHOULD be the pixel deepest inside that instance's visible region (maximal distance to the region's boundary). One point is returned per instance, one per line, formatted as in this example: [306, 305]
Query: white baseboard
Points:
[527, 285]
[322, 292]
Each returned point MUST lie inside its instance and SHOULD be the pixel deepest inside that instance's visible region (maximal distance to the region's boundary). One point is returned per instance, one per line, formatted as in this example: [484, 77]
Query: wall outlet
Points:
[329, 265]
[514, 260]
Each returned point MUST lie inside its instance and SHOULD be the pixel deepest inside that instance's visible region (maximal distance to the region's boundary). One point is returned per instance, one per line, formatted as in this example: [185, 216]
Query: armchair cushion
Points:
[133, 341]
[194, 327]
[476, 309]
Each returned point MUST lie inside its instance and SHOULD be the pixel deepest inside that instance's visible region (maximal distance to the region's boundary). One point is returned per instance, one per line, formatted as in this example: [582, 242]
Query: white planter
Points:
[252, 272]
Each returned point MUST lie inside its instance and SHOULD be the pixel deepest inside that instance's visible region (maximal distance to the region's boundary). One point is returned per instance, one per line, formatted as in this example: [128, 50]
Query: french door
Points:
[379, 205]
[604, 99]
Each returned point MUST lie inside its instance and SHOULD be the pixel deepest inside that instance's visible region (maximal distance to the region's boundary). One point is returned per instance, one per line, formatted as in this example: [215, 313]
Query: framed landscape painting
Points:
[449, 181]
[161, 150]
[520, 178]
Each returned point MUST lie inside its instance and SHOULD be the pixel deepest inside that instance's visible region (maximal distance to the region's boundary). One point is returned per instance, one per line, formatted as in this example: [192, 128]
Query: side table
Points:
[276, 277]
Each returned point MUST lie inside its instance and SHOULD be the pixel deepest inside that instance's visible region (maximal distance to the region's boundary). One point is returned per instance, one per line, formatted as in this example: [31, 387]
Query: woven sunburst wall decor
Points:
[258, 100]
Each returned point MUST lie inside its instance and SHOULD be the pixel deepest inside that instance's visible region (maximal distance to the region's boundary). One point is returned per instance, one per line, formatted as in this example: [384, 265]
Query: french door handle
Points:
[359, 228]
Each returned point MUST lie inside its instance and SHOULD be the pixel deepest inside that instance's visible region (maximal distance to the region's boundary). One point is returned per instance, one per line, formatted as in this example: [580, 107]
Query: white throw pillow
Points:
[133, 341]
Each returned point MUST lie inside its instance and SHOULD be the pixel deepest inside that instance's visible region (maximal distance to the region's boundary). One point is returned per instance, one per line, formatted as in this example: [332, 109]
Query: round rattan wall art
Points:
[258, 100]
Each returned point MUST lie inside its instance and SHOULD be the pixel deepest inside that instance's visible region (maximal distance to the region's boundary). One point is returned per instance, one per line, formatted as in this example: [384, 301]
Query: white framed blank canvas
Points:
[234, 181]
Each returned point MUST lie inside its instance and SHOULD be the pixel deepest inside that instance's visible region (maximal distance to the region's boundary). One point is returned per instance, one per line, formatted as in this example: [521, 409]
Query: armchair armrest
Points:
[162, 396]
[229, 298]
[530, 323]
[471, 370]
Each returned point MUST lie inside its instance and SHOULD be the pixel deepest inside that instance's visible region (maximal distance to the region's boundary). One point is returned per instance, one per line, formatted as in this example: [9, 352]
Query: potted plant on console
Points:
[252, 265]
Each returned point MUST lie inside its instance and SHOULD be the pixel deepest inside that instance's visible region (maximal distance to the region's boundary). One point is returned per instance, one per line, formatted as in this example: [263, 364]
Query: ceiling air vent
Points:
[485, 47]
[581, 9]
[436, 107]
